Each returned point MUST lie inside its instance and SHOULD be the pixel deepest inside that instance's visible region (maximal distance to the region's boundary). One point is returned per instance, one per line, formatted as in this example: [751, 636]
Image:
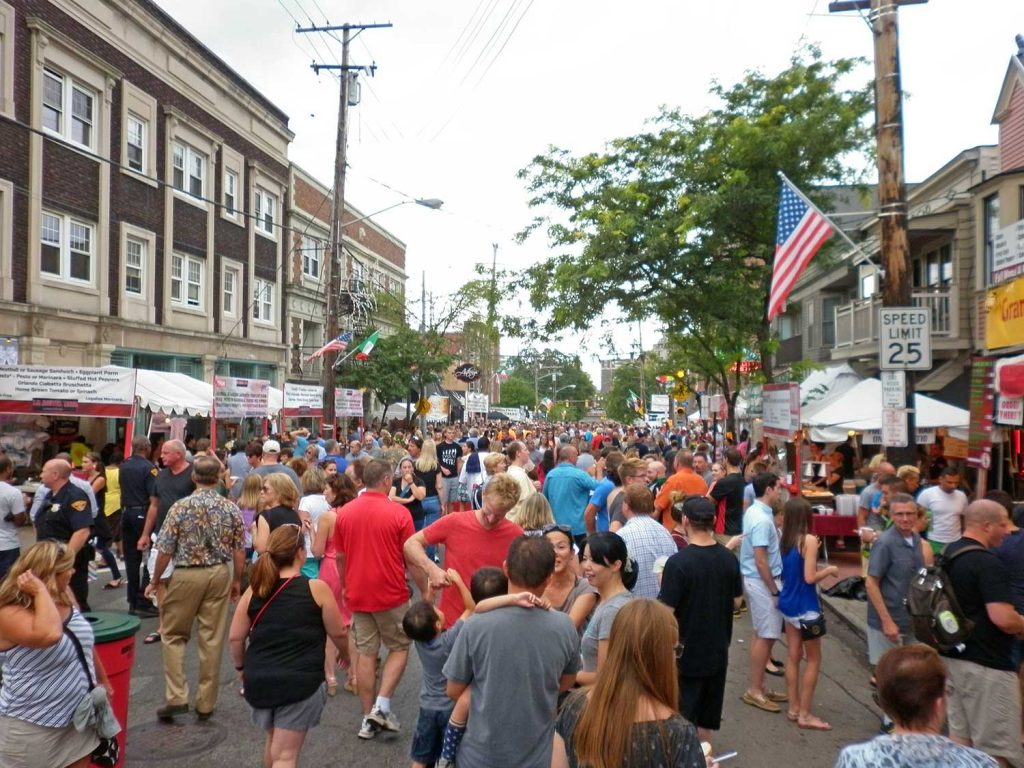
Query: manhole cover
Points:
[164, 742]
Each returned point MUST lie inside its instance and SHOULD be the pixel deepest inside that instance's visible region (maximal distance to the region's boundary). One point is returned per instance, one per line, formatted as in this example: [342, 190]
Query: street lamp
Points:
[330, 357]
[562, 389]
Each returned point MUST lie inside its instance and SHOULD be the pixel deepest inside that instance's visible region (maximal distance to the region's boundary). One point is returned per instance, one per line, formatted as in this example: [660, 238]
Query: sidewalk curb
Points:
[842, 609]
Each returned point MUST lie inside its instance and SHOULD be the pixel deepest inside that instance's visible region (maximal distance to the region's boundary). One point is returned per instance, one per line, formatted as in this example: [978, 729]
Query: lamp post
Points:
[327, 375]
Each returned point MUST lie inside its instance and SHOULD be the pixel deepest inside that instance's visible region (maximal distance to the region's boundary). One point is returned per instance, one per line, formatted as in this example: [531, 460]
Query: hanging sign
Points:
[235, 398]
[60, 391]
[467, 372]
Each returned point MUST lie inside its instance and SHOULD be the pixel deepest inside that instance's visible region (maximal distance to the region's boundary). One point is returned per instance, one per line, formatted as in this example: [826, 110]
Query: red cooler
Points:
[115, 645]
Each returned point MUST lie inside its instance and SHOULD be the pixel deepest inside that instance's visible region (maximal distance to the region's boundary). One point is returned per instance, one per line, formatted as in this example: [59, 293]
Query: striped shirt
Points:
[45, 685]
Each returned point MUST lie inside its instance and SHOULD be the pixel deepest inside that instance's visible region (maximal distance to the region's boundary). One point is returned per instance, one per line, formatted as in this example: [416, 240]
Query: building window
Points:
[134, 264]
[311, 257]
[62, 96]
[189, 170]
[135, 132]
[828, 321]
[263, 300]
[990, 223]
[266, 208]
[230, 192]
[230, 292]
[357, 276]
[186, 281]
[67, 248]
[934, 269]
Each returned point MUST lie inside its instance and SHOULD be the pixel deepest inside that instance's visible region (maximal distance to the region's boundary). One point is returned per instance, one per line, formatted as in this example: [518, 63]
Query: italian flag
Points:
[363, 350]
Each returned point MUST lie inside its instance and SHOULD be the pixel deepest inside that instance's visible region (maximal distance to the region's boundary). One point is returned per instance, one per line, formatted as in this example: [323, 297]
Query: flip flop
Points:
[813, 724]
[793, 716]
[152, 637]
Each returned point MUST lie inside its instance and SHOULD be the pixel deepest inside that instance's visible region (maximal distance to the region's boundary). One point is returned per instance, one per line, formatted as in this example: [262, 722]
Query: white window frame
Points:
[141, 146]
[262, 301]
[65, 251]
[129, 242]
[183, 264]
[6, 59]
[235, 274]
[231, 210]
[312, 258]
[189, 155]
[66, 108]
[265, 203]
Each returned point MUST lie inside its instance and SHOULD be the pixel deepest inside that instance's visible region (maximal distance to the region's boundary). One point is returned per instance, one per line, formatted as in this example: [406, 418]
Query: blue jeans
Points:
[431, 512]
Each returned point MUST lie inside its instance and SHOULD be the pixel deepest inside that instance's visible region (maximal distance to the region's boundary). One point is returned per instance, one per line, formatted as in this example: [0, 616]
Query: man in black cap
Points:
[702, 585]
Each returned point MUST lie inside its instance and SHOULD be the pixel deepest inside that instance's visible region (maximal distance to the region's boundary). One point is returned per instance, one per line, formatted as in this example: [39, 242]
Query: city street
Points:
[229, 739]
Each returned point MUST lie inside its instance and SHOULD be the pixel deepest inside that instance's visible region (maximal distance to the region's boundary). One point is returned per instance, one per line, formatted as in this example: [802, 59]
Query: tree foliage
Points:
[557, 375]
[625, 379]
[516, 392]
[678, 223]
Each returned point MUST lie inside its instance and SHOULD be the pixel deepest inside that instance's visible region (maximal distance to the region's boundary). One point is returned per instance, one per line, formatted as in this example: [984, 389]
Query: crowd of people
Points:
[574, 601]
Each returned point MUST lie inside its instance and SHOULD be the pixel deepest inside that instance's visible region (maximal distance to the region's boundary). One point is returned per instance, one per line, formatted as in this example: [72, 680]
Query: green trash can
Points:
[115, 645]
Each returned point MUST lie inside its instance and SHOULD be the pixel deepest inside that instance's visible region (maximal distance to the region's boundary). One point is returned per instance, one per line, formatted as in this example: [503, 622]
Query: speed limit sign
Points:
[904, 339]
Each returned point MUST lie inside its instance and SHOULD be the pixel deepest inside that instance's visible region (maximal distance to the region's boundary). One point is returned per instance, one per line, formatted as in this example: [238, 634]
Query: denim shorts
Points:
[429, 736]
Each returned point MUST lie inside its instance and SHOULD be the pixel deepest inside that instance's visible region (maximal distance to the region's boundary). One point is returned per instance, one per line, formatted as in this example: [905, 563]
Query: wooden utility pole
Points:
[892, 193]
[334, 263]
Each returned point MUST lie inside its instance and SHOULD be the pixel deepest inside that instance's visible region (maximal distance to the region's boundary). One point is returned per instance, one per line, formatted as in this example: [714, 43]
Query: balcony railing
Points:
[857, 321]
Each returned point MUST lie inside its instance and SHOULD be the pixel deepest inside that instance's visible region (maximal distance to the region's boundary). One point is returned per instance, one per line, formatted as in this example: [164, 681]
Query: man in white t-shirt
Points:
[946, 504]
[12, 514]
[518, 459]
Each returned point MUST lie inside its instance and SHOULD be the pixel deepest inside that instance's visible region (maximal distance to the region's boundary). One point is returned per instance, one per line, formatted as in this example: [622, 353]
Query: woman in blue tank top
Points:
[799, 600]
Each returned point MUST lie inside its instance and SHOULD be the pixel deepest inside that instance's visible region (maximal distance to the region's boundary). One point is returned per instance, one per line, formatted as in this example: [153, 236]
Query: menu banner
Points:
[982, 405]
[348, 402]
[303, 400]
[781, 406]
[60, 391]
[235, 398]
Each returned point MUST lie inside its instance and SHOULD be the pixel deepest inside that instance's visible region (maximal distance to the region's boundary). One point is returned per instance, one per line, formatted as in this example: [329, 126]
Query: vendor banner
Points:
[438, 408]
[781, 406]
[979, 437]
[303, 400]
[1004, 320]
[348, 402]
[477, 402]
[60, 391]
[235, 398]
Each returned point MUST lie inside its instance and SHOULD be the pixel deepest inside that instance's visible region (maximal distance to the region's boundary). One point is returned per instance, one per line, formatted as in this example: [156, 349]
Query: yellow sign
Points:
[1004, 325]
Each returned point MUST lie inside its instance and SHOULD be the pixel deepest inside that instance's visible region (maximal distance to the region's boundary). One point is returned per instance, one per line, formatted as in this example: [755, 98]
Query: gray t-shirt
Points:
[513, 658]
[433, 655]
[600, 628]
[894, 562]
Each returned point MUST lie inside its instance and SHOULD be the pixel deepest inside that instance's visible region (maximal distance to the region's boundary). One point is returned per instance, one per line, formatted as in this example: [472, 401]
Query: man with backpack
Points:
[984, 696]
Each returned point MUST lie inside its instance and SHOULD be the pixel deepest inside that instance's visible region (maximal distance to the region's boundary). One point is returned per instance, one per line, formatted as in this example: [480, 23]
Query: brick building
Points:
[141, 190]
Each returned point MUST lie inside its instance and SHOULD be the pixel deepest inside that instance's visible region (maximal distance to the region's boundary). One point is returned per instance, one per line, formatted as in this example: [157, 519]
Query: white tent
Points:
[173, 393]
[825, 384]
[860, 409]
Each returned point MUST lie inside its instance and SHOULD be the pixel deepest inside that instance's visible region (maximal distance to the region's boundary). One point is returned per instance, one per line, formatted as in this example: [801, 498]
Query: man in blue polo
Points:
[567, 489]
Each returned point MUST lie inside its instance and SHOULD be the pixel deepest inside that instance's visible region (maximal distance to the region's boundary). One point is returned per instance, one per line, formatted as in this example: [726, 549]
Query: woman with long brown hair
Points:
[96, 474]
[800, 607]
[280, 501]
[278, 635]
[629, 718]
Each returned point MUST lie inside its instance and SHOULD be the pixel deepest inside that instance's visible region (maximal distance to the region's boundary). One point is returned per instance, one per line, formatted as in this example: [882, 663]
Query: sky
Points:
[467, 92]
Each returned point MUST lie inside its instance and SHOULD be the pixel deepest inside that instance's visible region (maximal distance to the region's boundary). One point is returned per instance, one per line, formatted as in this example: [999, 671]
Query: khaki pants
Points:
[195, 595]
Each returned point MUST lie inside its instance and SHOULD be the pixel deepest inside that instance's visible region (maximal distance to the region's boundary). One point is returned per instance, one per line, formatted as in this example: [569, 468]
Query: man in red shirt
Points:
[472, 540]
[369, 535]
[684, 481]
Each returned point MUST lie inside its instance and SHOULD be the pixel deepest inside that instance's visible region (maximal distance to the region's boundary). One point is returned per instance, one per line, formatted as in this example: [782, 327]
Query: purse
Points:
[94, 709]
[812, 629]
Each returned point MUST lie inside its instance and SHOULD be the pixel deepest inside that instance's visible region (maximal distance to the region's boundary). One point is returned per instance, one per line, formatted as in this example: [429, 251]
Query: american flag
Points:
[339, 344]
[801, 230]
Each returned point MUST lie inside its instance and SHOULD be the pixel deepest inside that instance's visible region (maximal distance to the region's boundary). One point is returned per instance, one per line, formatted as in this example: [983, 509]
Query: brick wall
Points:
[375, 242]
[265, 265]
[189, 228]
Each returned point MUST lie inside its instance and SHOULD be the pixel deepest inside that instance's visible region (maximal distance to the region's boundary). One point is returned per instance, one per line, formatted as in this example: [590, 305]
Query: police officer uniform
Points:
[137, 476]
[63, 513]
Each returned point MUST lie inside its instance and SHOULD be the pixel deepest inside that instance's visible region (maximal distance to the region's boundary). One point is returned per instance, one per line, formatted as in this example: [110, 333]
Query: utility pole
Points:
[892, 194]
[491, 336]
[348, 74]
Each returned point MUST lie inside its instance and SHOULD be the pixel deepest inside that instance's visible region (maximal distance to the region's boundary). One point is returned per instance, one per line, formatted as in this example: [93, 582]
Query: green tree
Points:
[678, 223]
[626, 379]
[516, 392]
[557, 375]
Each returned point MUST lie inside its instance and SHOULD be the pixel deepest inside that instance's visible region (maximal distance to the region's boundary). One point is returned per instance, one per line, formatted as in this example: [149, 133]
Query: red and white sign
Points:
[781, 406]
[1010, 411]
[303, 400]
[894, 427]
[348, 402]
[43, 391]
[235, 398]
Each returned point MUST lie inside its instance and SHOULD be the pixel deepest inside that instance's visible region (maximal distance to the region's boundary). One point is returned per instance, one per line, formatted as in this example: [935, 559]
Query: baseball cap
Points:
[698, 509]
[271, 446]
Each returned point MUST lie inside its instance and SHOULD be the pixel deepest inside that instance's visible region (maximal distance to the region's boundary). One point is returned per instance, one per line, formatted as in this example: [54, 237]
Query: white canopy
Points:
[173, 393]
[823, 385]
[860, 409]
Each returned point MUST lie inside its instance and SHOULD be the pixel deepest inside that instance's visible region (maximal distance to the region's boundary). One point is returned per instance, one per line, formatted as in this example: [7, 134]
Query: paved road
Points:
[229, 739]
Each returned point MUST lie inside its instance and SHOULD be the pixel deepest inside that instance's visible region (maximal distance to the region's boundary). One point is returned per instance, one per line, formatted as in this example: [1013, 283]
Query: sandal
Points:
[114, 584]
[813, 724]
[152, 637]
[332, 686]
[793, 716]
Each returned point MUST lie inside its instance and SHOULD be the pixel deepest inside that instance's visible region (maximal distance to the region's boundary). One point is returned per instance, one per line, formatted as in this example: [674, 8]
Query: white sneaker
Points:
[386, 721]
[367, 730]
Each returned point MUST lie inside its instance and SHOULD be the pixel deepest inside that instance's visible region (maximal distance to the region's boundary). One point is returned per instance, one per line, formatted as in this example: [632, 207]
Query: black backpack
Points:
[935, 612]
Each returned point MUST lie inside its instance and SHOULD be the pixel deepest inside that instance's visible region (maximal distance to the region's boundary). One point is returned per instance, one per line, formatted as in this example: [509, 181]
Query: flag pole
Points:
[827, 218]
[355, 348]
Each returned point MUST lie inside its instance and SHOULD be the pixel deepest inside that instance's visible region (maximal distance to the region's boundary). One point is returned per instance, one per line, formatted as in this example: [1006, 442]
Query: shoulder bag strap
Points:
[264, 607]
[81, 656]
